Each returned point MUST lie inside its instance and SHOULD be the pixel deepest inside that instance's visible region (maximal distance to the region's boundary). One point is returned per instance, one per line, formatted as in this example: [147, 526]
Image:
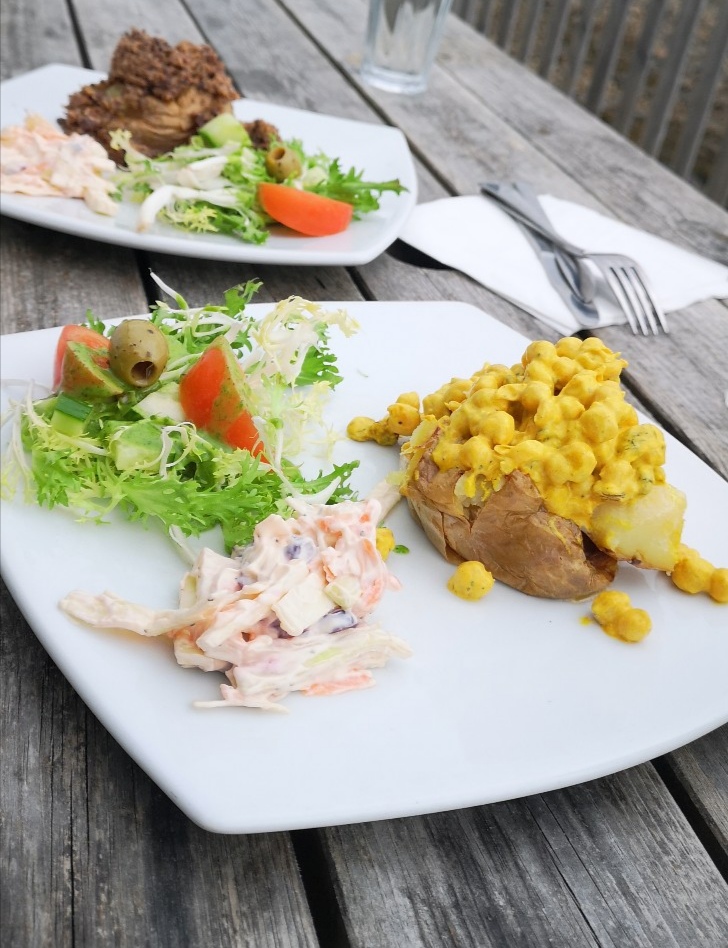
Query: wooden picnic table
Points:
[93, 853]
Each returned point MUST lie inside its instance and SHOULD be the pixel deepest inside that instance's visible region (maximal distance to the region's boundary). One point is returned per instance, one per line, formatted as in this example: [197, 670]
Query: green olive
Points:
[282, 162]
[138, 352]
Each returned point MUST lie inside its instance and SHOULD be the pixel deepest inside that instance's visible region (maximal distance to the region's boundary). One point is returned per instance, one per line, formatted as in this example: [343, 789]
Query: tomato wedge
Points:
[311, 214]
[88, 337]
[200, 385]
[211, 394]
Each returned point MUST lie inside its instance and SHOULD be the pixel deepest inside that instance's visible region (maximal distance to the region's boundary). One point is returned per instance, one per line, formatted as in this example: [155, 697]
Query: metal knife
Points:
[571, 282]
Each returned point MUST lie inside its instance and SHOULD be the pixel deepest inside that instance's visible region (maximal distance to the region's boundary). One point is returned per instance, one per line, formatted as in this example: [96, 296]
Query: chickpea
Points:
[410, 398]
[570, 407]
[632, 625]
[540, 350]
[385, 541]
[434, 405]
[499, 427]
[564, 369]
[692, 574]
[359, 429]
[380, 433]
[402, 419]
[568, 346]
[608, 605]
[583, 385]
[614, 612]
[476, 454]
[471, 581]
[511, 391]
[533, 394]
[580, 458]
[446, 455]
[598, 423]
[540, 371]
[617, 474]
[527, 452]
[718, 588]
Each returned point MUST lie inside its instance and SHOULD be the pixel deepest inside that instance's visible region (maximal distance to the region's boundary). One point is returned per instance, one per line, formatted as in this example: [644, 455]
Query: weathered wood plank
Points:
[101, 25]
[701, 769]
[34, 34]
[581, 862]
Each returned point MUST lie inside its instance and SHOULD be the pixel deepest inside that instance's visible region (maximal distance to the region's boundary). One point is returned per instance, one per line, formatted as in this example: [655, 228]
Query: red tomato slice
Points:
[200, 386]
[82, 334]
[311, 214]
[211, 395]
[242, 433]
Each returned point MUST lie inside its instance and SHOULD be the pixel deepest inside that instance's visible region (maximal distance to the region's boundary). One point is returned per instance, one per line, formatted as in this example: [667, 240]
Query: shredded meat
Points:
[161, 93]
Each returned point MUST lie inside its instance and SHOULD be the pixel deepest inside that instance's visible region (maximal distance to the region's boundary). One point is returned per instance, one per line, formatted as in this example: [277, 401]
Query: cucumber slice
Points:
[224, 128]
[69, 416]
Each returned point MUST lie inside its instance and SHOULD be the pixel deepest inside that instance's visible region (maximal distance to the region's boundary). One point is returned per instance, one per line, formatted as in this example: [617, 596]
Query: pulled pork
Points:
[162, 94]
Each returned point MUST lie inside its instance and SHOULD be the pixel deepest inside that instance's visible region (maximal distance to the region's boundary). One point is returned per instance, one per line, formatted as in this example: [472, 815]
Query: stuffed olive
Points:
[138, 352]
[282, 162]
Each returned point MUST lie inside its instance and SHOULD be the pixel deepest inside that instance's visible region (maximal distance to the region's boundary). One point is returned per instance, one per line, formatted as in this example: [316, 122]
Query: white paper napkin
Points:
[474, 235]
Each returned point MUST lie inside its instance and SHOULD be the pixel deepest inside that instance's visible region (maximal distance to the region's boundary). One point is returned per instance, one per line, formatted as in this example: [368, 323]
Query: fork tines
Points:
[642, 312]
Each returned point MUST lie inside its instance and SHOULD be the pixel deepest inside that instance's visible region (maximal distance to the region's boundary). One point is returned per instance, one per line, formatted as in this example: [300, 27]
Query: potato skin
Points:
[512, 534]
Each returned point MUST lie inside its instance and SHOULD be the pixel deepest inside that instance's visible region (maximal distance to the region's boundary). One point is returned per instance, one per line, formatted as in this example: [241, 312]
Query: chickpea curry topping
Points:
[559, 416]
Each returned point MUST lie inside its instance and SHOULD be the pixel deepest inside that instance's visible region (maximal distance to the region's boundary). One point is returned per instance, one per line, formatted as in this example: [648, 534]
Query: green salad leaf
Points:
[158, 471]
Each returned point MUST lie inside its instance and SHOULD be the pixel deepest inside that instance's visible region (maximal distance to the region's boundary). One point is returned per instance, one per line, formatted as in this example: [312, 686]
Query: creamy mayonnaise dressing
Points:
[288, 613]
[37, 158]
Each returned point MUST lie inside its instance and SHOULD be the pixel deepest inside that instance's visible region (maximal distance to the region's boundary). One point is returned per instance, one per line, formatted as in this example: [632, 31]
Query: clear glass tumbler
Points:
[401, 43]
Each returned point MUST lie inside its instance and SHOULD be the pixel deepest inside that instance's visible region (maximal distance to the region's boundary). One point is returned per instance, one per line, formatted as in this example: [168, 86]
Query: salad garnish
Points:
[215, 188]
[99, 444]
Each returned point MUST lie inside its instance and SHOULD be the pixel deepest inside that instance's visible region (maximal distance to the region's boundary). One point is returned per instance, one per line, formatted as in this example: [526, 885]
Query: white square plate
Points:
[501, 698]
[380, 151]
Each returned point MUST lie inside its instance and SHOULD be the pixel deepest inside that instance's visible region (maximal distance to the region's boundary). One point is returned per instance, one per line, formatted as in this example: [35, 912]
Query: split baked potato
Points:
[541, 471]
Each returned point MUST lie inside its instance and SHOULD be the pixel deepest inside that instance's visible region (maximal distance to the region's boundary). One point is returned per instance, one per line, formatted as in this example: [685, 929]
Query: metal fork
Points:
[607, 280]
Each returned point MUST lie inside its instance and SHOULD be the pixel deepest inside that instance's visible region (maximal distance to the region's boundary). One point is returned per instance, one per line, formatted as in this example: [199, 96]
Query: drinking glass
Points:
[401, 43]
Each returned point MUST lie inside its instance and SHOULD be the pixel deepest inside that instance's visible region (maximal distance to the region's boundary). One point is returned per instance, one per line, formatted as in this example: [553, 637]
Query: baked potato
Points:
[541, 471]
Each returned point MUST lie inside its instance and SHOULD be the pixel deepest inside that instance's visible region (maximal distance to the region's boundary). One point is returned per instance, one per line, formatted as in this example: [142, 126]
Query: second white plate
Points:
[380, 151]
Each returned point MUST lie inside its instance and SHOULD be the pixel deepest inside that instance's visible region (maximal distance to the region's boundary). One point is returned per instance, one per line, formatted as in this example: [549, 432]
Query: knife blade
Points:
[573, 284]
[584, 312]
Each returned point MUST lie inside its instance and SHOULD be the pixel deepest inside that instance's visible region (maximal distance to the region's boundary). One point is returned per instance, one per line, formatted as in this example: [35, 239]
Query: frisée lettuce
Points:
[214, 189]
[138, 455]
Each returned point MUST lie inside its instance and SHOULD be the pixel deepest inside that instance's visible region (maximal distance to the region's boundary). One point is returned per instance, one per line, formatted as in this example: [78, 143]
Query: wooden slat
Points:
[671, 75]
[584, 31]
[572, 38]
[717, 186]
[530, 36]
[701, 771]
[636, 75]
[507, 26]
[551, 46]
[20, 47]
[699, 103]
[582, 853]
[610, 45]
